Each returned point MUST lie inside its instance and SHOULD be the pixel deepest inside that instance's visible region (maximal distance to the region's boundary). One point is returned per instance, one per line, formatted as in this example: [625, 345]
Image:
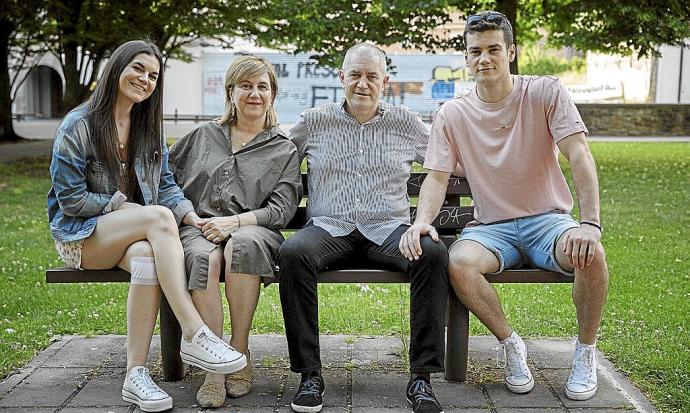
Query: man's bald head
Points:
[365, 49]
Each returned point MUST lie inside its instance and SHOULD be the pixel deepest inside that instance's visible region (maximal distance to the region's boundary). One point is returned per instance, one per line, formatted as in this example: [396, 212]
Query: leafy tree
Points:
[20, 42]
[329, 27]
[82, 41]
[81, 33]
[535, 61]
[626, 28]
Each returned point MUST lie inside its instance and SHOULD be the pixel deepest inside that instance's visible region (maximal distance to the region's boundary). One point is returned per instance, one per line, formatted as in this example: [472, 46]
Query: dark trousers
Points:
[312, 250]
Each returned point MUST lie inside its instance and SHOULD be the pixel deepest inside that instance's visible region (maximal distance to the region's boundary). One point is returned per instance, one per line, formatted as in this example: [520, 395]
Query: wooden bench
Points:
[449, 224]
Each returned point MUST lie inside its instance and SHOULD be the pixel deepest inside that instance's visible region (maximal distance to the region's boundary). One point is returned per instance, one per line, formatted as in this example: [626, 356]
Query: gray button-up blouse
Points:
[263, 177]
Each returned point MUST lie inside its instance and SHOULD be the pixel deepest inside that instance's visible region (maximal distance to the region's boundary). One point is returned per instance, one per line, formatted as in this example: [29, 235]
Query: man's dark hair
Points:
[485, 23]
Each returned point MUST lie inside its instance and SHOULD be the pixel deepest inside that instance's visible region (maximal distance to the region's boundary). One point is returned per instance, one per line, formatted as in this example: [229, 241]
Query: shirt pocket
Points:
[98, 178]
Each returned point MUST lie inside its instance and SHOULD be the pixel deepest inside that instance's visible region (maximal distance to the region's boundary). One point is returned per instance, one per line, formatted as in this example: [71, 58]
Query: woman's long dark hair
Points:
[146, 117]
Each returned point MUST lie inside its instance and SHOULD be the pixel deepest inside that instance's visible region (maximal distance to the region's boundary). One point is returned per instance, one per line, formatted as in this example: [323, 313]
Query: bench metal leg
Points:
[457, 337]
[171, 333]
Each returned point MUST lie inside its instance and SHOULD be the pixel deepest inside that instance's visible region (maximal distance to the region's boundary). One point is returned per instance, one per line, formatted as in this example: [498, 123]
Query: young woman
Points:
[242, 175]
[114, 202]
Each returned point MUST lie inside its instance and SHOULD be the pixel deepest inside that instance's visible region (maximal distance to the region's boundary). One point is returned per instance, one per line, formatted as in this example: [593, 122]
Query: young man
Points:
[359, 153]
[504, 136]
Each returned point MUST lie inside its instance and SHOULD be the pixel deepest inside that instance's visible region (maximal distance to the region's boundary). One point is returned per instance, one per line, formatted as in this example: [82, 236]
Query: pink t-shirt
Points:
[508, 148]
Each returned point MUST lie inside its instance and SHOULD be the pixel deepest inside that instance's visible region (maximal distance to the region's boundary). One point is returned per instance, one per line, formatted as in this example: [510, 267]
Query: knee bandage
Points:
[143, 271]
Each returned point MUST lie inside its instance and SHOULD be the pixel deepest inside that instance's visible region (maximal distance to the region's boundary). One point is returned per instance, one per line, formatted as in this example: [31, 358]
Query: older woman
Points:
[113, 202]
[242, 175]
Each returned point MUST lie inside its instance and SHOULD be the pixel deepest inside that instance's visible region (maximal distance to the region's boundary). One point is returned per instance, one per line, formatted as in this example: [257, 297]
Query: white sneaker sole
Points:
[147, 405]
[522, 388]
[307, 409]
[219, 368]
[585, 395]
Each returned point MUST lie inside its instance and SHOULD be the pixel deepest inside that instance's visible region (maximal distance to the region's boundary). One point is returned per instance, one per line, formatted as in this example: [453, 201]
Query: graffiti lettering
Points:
[312, 69]
[281, 70]
[400, 90]
[317, 96]
[443, 90]
[214, 85]
[448, 74]
[452, 215]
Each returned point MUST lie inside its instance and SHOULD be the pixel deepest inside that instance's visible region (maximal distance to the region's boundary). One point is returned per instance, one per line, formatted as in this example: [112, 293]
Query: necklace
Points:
[239, 135]
[123, 164]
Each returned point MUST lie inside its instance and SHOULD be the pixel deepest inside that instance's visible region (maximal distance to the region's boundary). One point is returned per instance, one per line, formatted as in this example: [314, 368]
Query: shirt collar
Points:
[384, 107]
[266, 134]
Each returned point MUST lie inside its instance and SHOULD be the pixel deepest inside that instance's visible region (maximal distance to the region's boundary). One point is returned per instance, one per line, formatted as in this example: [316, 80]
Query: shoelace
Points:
[310, 387]
[582, 363]
[514, 364]
[214, 345]
[144, 382]
[422, 391]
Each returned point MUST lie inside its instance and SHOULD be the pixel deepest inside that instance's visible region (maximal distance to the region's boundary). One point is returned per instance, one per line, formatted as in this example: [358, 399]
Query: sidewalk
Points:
[363, 374]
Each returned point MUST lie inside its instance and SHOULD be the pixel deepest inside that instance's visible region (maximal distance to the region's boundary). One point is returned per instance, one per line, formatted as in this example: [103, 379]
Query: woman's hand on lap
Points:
[218, 229]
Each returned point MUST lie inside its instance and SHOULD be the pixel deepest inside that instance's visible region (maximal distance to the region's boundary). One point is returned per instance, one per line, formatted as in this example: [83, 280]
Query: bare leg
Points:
[116, 231]
[589, 291]
[468, 262]
[142, 309]
[209, 304]
[242, 291]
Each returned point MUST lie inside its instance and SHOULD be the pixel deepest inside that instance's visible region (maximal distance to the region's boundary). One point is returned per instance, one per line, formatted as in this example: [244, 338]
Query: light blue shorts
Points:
[523, 240]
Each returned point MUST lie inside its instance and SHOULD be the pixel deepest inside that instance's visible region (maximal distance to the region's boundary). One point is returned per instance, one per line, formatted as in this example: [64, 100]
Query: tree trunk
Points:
[651, 95]
[68, 16]
[509, 8]
[7, 132]
[71, 77]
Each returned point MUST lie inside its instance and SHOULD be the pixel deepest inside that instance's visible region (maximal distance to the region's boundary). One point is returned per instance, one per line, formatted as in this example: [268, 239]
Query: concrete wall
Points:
[636, 119]
[182, 91]
[673, 75]
[627, 76]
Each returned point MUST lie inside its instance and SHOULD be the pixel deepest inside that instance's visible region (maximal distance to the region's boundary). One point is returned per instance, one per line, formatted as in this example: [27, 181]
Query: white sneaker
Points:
[582, 383]
[518, 378]
[210, 353]
[139, 389]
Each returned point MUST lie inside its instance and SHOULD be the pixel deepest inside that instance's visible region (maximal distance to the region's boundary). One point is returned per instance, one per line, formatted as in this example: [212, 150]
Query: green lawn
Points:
[645, 209]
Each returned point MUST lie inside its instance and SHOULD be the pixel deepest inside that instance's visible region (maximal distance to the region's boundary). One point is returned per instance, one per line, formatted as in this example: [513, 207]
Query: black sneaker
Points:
[309, 396]
[421, 397]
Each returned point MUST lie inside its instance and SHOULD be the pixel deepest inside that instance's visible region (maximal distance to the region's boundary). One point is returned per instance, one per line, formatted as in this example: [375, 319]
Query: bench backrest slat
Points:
[451, 219]
[456, 186]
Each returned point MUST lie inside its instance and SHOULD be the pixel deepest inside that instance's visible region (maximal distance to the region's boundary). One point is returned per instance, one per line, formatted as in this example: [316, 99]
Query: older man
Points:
[359, 153]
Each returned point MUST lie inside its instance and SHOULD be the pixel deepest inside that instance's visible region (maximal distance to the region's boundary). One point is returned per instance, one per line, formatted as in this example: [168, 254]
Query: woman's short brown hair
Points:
[241, 69]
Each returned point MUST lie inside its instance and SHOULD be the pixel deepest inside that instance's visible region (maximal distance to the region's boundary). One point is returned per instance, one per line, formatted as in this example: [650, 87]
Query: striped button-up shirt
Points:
[358, 172]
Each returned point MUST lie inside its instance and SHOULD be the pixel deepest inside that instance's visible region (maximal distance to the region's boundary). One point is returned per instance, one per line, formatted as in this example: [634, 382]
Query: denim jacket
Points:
[83, 189]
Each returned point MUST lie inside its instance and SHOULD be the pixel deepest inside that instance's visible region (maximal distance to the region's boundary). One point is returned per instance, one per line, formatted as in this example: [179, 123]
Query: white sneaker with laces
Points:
[582, 383]
[210, 353]
[518, 377]
[141, 390]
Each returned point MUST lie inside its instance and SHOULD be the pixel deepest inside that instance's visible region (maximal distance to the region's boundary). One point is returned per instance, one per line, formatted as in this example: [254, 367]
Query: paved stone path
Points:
[363, 374]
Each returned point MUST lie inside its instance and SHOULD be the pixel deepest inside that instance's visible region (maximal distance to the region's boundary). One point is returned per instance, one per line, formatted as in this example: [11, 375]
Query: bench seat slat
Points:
[522, 275]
